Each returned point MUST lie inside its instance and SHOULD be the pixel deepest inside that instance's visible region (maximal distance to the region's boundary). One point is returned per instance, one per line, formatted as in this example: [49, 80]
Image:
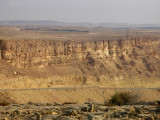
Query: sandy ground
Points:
[77, 95]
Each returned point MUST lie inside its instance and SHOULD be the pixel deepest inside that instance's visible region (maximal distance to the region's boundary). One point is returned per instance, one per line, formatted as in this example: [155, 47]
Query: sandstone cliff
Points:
[34, 54]
[134, 62]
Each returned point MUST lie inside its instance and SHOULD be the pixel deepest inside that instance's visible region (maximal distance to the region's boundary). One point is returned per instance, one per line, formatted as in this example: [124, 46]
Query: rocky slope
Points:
[110, 63]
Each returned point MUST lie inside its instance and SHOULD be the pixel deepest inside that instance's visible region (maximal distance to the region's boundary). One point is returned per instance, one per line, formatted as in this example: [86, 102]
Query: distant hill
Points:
[29, 22]
[83, 24]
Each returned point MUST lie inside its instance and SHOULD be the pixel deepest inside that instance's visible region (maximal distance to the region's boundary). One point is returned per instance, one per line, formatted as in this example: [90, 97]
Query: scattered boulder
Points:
[91, 108]
[158, 102]
[95, 117]
[71, 112]
[83, 111]
[158, 108]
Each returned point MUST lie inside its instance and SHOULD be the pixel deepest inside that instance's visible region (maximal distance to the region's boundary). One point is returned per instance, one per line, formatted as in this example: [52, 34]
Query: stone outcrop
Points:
[42, 111]
[39, 54]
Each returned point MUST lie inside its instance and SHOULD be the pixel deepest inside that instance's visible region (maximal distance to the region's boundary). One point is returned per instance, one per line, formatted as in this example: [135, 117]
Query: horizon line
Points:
[85, 22]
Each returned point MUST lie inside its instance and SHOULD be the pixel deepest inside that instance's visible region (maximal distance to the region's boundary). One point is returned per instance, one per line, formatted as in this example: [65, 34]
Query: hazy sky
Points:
[98, 11]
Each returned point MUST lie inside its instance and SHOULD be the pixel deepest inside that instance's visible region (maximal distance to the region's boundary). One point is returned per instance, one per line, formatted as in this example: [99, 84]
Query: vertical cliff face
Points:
[111, 63]
[39, 54]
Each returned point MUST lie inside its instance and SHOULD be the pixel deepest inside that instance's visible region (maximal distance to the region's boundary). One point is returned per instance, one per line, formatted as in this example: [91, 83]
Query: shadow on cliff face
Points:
[90, 59]
[148, 66]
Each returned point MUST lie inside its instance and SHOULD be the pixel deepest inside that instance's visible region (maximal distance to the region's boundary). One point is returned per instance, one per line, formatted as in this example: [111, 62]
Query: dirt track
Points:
[74, 88]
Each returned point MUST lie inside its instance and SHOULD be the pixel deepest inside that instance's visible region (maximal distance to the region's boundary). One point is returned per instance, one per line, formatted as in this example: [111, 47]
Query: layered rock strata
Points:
[39, 54]
[109, 63]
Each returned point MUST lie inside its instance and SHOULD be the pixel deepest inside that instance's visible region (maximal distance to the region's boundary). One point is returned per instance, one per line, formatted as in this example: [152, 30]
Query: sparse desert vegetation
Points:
[80, 72]
[79, 60]
[122, 98]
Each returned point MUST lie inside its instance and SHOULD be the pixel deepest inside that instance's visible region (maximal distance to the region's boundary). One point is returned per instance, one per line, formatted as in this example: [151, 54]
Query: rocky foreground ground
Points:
[87, 111]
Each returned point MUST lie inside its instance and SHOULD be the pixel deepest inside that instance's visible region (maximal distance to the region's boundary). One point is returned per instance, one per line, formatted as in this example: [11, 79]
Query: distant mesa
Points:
[84, 24]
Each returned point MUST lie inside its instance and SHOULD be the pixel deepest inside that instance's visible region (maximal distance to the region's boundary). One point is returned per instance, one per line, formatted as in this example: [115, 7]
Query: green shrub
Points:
[120, 98]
